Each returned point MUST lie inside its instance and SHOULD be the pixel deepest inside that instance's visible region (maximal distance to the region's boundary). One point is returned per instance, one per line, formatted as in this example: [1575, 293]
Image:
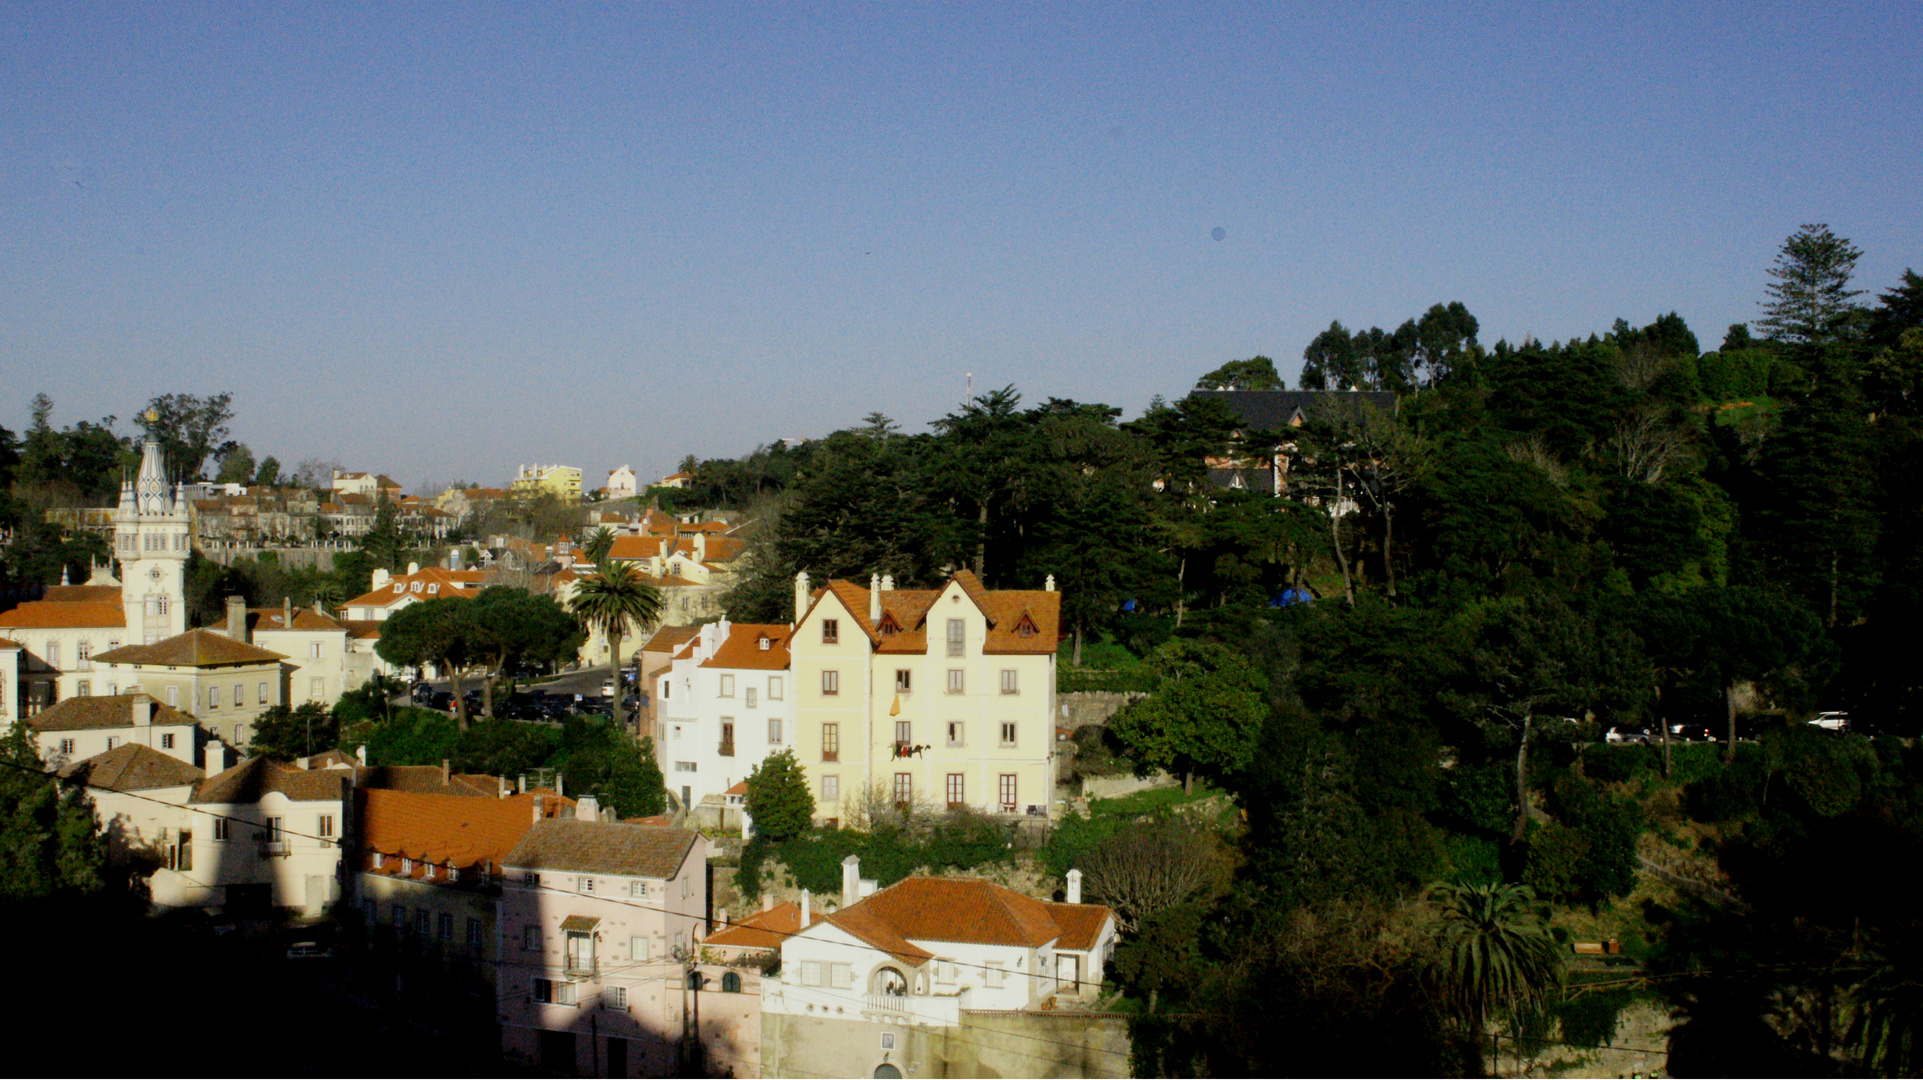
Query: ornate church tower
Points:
[151, 541]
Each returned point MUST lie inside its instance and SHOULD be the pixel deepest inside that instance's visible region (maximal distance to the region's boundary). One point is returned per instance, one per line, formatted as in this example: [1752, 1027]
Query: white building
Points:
[392, 592]
[722, 706]
[260, 835]
[595, 920]
[925, 953]
[80, 728]
[621, 483]
[139, 797]
[222, 683]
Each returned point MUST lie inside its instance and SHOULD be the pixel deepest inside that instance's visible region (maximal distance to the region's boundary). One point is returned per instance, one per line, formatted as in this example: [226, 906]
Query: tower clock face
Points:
[154, 573]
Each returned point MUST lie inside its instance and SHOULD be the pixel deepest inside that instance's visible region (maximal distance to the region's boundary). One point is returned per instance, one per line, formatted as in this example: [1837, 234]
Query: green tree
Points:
[236, 465]
[1255, 373]
[49, 841]
[442, 632]
[598, 544]
[1497, 956]
[268, 475]
[511, 625]
[613, 597]
[778, 797]
[189, 428]
[1809, 301]
[1204, 718]
[283, 734]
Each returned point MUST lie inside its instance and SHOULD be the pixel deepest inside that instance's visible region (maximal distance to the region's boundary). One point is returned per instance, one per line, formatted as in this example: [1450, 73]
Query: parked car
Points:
[607, 687]
[1832, 721]
[1626, 735]
[1693, 732]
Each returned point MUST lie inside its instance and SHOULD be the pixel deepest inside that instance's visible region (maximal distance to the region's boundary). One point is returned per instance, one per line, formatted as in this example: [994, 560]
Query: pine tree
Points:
[778, 797]
[1809, 302]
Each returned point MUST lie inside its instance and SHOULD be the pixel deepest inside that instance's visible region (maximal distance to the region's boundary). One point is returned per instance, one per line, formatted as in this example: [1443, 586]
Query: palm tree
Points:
[610, 597]
[1497, 957]
[599, 544]
[1887, 1026]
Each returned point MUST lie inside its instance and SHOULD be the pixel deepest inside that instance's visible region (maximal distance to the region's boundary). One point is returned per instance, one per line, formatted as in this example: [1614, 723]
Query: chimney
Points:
[587, 808]
[286, 613]
[444, 771]
[874, 599]
[522, 788]
[801, 595]
[360, 755]
[381, 577]
[1049, 585]
[1074, 887]
[413, 568]
[804, 909]
[500, 787]
[237, 618]
[216, 756]
[887, 583]
[701, 547]
[142, 711]
[850, 880]
[537, 801]
[560, 788]
[768, 900]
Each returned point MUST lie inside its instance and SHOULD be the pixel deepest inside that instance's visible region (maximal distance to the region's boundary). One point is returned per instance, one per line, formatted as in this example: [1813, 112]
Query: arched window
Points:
[731, 983]
[696, 980]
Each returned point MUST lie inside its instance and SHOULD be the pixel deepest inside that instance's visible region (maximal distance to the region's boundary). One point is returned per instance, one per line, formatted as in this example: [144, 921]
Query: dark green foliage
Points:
[889, 853]
[283, 734]
[778, 797]
[49, 845]
[1205, 718]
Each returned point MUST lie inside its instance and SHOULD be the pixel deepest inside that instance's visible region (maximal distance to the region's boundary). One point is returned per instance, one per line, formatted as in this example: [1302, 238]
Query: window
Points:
[371, 912]
[614, 997]
[313, 650]
[749, 692]
[957, 637]
[240, 734]
[904, 733]
[665, 687]
[531, 938]
[637, 949]
[774, 729]
[431, 589]
[904, 788]
[811, 973]
[1008, 734]
[421, 920]
[955, 733]
[167, 741]
[954, 789]
[585, 884]
[887, 1040]
[316, 689]
[444, 926]
[831, 789]
[1008, 802]
[730, 983]
[830, 632]
[727, 737]
[831, 683]
[531, 878]
[684, 766]
[904, 679]
[220, 828]
[473, 934]
[53, 654]
[261, 693]
[83, 656]
[727, 686]
[270, 831]
[173, 697]
[564, 993]
[841, 976]
[1008, 681]
[687, 888]
[213, 698]
[997, 974]
[112, 741]
[66, 747]
[240, 695]
[400, 917]
[544, 991]
[774, 688]
[324, 826]
[85, 688]
[954, 680]
[638, 890]
[831, 742]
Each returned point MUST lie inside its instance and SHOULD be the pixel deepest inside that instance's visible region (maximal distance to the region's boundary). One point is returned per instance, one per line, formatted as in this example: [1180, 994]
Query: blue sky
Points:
[442, 241]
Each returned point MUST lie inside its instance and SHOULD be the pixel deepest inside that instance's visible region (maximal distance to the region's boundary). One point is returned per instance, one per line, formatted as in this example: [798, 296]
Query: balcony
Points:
[726, 749]
[586, 967]
[831, 755]
[899, 1004]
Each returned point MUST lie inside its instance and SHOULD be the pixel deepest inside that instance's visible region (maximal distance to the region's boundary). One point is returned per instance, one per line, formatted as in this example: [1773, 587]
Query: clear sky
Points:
[440, 241]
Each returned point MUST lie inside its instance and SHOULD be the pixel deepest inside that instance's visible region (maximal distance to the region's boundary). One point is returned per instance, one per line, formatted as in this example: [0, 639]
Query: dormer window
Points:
[432, 589]
[762, 642]
[889, 627]
[1025, 628]
[417, 586]
[407, 866]
[400, 586]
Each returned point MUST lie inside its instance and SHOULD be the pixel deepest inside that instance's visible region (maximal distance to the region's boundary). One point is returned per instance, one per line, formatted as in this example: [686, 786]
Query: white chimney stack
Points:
[1049, 585]
[804, 909]
[1074, 887]
[850, 880]
[801, 595]
[874, 599]
[587, 808]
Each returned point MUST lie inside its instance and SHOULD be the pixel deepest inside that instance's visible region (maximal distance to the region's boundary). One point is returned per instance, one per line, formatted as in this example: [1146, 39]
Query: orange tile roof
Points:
[763, 929]
[671, 638]
[255, 777]
[464, 583]
[964, 911]
[195, 648]
[444, 828]
[362, 629]
[9, 643]
[54, 615]
[742, 649]
[269, 619]
[107, 711]
[82, 594]
[603, 847]
[133, 767]
[1020, 621]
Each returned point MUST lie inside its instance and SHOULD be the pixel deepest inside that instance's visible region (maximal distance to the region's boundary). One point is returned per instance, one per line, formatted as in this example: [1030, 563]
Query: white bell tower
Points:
[151, 540]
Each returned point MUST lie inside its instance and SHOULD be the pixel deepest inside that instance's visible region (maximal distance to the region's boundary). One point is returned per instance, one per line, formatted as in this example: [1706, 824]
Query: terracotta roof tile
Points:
[195, 648]
[763, 929]
[9, 643]
[133, 767]
[965, 911]
[255, 777]
[443, 828]
[269, 619]
[82, 594]
[603, 847]
[1081, 924]
[671, 638]
[47, 614]
[742, 649]
[112, 711]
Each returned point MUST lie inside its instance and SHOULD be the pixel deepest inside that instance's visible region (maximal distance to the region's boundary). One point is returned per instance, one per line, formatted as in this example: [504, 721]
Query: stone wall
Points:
[1084, 707]
[1030, 1043]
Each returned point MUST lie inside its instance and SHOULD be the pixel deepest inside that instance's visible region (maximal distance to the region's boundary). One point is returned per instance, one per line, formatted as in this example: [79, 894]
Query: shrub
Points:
[778, 797]
[1475, 860]
[1556, 857]
[1481, 797]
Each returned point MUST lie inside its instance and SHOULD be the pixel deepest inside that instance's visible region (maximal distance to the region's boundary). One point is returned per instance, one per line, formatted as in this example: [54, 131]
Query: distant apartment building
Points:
[561, 481]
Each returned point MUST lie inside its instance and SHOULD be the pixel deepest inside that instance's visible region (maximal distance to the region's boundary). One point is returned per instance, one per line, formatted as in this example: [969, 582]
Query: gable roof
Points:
[742, 649]
[195, 648]
[965, 911]
[669, 639]
[1020, 621]
[763, 929]
[107, 711]
[462, 583]
[133, 767]
[255, 777]
[443, 828]
[55, 614]
[603, 847]
[269, 620]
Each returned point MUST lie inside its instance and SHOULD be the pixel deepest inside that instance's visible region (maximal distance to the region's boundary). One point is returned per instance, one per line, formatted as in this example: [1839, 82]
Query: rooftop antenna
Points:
[971, 389]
